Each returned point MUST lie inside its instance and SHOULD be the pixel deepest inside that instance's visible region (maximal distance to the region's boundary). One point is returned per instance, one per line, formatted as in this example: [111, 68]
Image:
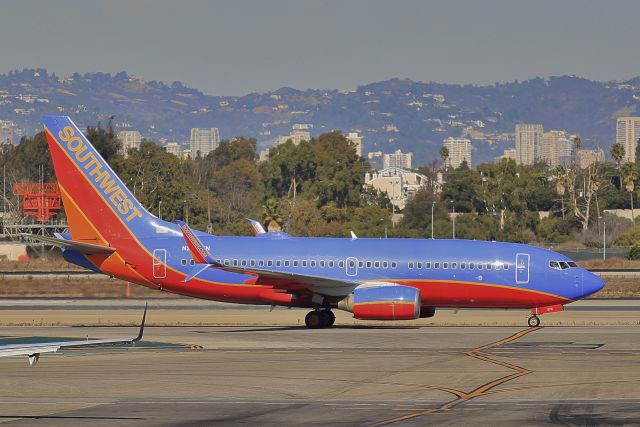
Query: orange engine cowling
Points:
[384, 302]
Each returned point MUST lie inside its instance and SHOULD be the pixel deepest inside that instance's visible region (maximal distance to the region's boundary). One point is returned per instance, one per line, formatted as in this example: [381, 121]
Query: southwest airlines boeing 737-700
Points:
[375, 279]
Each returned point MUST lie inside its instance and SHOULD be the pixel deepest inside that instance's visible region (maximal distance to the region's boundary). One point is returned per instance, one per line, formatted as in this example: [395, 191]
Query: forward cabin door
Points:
[159, 263]
[522, 269]
[352, 266]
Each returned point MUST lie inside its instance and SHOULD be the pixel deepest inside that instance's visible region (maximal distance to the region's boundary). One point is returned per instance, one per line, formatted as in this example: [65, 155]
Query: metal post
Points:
[604, 241]
[433, 204]
[453, 221]
[159, 205]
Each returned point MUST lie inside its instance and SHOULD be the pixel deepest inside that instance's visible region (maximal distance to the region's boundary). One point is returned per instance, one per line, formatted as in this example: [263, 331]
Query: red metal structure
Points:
[39, 200]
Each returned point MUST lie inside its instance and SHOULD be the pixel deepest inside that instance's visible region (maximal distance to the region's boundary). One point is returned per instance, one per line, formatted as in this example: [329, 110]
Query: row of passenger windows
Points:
[361, 264]
[461, 265]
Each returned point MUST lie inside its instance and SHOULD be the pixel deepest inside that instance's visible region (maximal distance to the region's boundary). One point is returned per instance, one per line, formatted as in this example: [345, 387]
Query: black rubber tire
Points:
[534, 321]
[328, 318]
[313, 320]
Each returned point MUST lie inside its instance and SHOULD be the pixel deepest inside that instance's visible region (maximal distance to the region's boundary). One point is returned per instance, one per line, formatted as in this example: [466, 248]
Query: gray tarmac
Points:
[352, 374]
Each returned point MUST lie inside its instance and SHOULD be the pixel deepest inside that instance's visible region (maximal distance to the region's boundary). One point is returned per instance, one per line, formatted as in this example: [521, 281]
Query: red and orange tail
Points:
[99, 207]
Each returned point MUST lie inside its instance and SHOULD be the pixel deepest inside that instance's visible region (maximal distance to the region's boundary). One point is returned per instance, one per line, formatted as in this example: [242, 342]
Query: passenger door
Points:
[352, 266]
[159, 263]
[522, 269]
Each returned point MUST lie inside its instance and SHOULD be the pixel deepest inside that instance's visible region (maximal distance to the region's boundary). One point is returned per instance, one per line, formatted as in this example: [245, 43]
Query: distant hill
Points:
[392, 114]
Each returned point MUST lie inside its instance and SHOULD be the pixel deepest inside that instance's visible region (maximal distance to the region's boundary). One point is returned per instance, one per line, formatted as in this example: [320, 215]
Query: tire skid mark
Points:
[462, 397]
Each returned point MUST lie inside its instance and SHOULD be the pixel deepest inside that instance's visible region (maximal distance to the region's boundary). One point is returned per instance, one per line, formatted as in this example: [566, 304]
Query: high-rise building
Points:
[627, 134]
[6, 134]
[528, 143]
[557, 148]
[397, 160]
[130, 139]
[508, 154]
[356, 139]
[459, 152]
[203, 141]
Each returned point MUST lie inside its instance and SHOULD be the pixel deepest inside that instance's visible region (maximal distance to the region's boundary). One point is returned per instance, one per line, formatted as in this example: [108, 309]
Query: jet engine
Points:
[384, 302]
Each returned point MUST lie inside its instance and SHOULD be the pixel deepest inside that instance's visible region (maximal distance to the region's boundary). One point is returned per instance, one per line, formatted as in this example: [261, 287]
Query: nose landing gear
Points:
[320, 319]
[534, 321]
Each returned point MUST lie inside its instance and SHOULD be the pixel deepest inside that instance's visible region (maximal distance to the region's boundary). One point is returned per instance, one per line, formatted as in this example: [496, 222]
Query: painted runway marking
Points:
[461, 396]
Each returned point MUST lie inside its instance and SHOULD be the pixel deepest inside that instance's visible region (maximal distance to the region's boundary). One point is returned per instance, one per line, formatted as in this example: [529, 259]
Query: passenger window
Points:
[270, 263]
[479, 266]
[410, 264]
[368, 264]
[313, 263]
[376, 264]
[427, 264]
[278, 263]
[463, 265]
[286, 263]
[330, 264]
[192, 262]
[394, 264]
[436, 265]
[252, 262]
[218, 261]
[445, 265]
[341, 264]
[385, 264]
[360, 264]
[226, 262]
[304, 262]
[471, 266]
[183, 261]
[488, 266]
[419, 265]
[505, 266]
[243, 262]
[261, 263]
[454, 265]
[321, 264]
[235, 262]
[295, 263]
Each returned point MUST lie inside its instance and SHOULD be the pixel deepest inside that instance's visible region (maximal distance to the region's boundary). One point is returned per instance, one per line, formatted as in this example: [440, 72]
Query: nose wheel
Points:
[317, 319]
[534, 321]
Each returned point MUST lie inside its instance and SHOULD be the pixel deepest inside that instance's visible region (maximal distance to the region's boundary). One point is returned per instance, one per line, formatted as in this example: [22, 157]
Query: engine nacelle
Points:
[386, 302]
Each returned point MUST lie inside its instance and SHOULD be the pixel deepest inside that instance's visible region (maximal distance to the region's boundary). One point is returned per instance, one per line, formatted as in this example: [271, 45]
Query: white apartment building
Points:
[459, 152]
[528, 143]
[356, 139]
[174, 148]
[627, 134]
[398, 159]
[129, 139]
[399, 184]
[203, 141]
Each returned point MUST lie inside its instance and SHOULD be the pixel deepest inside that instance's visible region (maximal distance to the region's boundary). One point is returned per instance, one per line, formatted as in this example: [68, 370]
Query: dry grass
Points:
[52, 263]
[74, 288]
[610, 263]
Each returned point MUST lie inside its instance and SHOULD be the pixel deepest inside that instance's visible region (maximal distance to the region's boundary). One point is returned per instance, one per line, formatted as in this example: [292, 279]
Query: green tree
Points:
[444, 155]
[617, 153]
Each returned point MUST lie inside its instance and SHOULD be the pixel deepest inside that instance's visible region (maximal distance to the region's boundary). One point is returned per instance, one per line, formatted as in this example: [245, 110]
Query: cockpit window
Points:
[562, 265]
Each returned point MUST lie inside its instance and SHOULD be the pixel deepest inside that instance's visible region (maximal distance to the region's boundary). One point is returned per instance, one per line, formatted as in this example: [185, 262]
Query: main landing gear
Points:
[534, 321]
[319, 319]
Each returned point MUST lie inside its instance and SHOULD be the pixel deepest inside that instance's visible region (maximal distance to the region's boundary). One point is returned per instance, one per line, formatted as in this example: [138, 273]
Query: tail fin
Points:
[99, 207]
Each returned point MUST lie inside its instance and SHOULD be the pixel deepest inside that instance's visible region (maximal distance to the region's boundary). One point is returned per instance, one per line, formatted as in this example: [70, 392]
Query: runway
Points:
[348, 375]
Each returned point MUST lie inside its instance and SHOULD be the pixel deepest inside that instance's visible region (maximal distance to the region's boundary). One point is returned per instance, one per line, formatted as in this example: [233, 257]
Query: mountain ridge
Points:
[391, 114]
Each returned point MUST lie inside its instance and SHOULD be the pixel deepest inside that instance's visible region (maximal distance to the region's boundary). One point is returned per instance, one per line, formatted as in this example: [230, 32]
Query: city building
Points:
[356, 139]
[129, 139]
[627, 134]
[397, 160]
[587, 158]
[508, 154]
[459, 152]
[375, 159]
[203, 141]
[6, 133]
[399, 184]
[528, 143]
[557, 147]
[174, 148]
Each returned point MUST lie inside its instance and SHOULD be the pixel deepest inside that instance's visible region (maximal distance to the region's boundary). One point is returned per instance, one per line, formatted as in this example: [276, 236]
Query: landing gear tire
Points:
[328, 318]
[534, 321]
[314, 320]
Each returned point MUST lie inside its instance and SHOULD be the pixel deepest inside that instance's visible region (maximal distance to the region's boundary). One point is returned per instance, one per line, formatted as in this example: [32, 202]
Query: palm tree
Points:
[444, 154]
[617, 153]
[629, 177]
[271, 217]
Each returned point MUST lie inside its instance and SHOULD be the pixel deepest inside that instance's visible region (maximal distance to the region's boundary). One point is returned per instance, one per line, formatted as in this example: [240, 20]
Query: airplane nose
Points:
[591, 283]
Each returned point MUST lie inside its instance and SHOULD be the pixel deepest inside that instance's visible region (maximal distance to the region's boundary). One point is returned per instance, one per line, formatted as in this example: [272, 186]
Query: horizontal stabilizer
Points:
[72, 245]
[199, 252]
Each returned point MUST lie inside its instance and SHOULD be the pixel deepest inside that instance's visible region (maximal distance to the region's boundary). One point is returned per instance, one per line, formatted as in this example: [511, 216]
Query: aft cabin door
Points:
[159, 263]
[522, 269]
[352, 266]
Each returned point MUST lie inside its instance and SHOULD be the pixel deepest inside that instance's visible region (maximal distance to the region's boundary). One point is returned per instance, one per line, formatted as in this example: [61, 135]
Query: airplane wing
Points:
[85, 248]
[318, 284]
[33, 350]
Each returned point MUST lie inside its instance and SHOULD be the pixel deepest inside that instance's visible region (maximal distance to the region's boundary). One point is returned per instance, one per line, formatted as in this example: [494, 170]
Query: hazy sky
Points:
[237, 47]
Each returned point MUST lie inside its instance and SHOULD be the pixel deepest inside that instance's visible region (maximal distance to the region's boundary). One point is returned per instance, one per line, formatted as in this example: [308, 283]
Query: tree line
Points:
[316, 188]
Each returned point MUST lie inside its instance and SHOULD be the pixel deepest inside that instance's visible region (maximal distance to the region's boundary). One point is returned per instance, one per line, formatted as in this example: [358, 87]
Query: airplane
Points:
[34, 349]
[373, 278]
